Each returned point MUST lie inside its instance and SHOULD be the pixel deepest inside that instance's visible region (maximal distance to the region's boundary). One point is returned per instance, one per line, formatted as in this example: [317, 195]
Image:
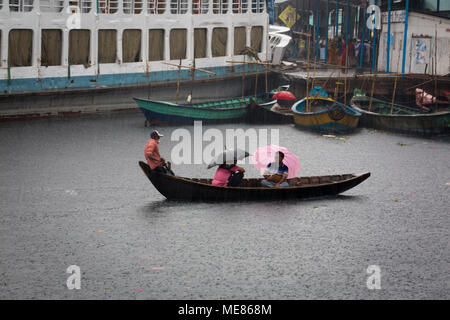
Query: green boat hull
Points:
[221, 111]
[403, 119]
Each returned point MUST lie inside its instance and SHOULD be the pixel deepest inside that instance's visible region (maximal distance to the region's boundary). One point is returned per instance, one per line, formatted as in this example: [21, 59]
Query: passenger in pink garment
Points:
[224, 172]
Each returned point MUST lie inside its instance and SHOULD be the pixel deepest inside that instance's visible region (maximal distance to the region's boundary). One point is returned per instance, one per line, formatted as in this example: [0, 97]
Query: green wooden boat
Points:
[219, 111]
[403, 119]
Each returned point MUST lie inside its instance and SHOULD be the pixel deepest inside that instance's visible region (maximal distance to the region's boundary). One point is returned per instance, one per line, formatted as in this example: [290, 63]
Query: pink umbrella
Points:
[265, 155]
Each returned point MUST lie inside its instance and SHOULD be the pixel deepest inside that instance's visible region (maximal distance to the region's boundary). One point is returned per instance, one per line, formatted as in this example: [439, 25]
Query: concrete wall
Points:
[421, 33]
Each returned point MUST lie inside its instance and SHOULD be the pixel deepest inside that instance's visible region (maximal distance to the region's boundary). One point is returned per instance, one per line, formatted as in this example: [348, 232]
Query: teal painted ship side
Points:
[122, 80]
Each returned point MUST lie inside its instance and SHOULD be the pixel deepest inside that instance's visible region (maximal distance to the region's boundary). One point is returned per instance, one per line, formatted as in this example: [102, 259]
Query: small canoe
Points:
[325, 115]
[268, 113]
[403, 119]
[177, 188]
[219, 111]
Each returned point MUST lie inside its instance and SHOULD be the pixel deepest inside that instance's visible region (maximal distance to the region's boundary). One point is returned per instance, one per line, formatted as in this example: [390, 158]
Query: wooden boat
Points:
[403, 119]
[265, 114]
[178, 188]
[325, 115]
[220, 111]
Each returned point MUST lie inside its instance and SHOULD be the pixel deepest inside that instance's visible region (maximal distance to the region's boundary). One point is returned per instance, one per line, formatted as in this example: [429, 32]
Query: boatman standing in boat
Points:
[154, 160]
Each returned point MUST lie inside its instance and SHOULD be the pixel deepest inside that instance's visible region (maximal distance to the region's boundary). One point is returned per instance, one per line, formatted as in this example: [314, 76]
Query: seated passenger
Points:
[276, 173]
[228, 175]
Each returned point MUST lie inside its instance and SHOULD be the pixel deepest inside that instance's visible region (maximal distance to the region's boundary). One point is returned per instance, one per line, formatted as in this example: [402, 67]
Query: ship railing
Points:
[84, 5]
[258, 6]
[108, 6]
[220, 6]
[200, 6]
[156, 6]
[138, 6]
[179, 6]
[21, 5]
[51, 5]
[240, 6]
[132, 6]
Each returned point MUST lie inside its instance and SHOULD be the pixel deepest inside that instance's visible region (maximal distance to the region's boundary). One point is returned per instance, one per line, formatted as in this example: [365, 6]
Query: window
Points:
[256, 38]
[20, 5]
[220, 6]
[178, 6]
[51, 5]
[240, 6]
[257, 6]
[79, 47]
[84, 5]
[51, 47]
[108, 6]
[131, 45]
[156, 6]
[178, 43]
[156, 45]
[20, 47]
[219, 42]
[240, 40]
[200, 43]
[107, 46]
[132, 6]
[200, 6]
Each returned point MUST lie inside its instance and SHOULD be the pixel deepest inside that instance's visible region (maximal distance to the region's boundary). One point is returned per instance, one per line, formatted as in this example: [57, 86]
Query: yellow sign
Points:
[287, 16]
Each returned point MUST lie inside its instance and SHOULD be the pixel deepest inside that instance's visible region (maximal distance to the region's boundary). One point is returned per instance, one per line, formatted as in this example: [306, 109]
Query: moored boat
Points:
[268, 113]
[325, 115]
[276, 111]
[220, 111]
[376, 114]
[178, 188]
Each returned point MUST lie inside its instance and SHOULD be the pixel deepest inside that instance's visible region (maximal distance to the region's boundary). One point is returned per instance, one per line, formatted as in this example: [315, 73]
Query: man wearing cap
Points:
[152, 156]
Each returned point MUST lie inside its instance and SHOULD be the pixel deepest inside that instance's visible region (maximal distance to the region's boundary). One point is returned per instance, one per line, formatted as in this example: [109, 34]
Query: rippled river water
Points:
[71, 193]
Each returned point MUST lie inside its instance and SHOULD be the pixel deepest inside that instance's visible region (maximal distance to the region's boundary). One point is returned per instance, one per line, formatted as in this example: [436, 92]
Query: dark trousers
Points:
[235, 179]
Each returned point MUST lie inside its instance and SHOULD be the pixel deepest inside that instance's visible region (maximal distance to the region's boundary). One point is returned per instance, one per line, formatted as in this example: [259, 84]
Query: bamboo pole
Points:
[307, 74]
[189, 67]
[267, 80]
[313, 82]
[178, 81]
[243, 82]
[347, 13]
[396, 82]
[371, 94]
[435, 67]
[328, 80]
[267, 51]
[251, 62]
[336, 90]
[346, 74]
[256, 84]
